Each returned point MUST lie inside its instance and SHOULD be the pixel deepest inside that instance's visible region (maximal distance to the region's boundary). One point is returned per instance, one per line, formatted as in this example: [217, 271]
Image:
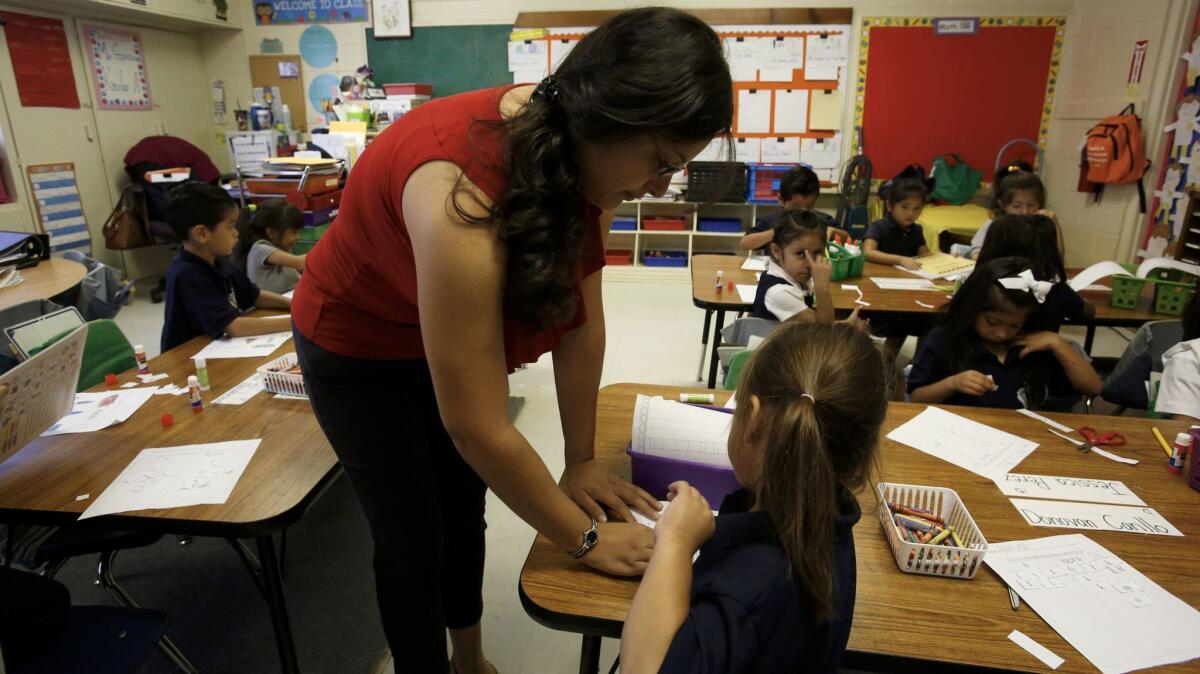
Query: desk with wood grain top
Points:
[968, 620]
[39, 484]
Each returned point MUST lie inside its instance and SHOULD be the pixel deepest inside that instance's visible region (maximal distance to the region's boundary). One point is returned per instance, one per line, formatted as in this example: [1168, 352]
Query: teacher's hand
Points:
[622, 549]
[593, 488]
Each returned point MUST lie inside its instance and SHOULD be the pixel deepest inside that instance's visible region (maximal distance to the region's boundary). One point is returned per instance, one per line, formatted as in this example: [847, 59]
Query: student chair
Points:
[106, 350]
[100, 294]
[852, 214]
[736, 336]
[19, 313]
[1126, 385]
[737, 364]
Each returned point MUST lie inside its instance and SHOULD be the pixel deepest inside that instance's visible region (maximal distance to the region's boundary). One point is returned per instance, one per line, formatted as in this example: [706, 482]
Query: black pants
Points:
[423, 502]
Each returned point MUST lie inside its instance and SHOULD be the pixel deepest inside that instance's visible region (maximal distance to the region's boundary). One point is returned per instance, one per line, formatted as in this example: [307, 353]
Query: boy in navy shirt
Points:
[206, 294]
[799, 188]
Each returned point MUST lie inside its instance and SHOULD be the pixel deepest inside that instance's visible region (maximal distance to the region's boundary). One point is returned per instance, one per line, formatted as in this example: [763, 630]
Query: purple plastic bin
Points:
[655, 474]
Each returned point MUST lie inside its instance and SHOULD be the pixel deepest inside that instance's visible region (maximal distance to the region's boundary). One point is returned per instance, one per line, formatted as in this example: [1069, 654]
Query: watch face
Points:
[591, 537]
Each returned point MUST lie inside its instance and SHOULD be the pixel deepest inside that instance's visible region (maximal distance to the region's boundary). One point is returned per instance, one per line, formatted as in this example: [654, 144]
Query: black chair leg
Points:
[106, 579]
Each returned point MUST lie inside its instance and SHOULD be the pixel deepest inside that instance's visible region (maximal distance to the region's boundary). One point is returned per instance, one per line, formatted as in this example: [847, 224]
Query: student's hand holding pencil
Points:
[688, 523]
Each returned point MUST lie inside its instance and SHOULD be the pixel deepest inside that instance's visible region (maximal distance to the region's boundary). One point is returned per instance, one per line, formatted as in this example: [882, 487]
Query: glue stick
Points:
[194, 394]
[202, 373]
[139, 356]
[1179, 453]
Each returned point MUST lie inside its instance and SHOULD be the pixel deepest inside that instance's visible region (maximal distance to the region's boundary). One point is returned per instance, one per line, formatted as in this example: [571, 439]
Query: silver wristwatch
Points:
[590, 538]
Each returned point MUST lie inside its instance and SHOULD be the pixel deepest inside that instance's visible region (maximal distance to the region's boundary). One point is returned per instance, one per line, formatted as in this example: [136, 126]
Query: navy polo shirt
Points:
[203, 298]
[932, 365]
[893, 239]
[1062, 303]
[747, 612]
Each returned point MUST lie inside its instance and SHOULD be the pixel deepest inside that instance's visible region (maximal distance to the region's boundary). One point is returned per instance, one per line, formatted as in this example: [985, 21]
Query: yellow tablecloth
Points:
[965, 219]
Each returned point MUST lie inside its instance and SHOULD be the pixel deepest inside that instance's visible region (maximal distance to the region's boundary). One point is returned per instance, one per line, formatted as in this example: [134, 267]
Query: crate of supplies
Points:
[930, 531]
[664, 258]
[624, 225]
[720, 225]
[845, 262]
[618, 258]
[282, 375]
[1172, 297]
[764, 182]
[286, 185]
[663, 223]
[716, 181]
[320, 216]
[1126, 291]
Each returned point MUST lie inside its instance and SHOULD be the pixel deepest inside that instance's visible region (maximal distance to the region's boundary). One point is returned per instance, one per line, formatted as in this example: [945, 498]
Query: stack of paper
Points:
[903, 283]
[94, 411]
[667, 429]
[964, 442]
[941, 265]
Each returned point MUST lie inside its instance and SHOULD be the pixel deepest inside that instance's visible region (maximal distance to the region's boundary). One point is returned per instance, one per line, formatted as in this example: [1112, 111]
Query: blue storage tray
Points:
[727, 225]
[624, 224]
[669, 258]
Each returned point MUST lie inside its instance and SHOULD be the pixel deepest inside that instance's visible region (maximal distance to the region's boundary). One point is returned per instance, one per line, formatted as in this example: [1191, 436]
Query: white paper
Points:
[151, 378]
[1046, 420]
[755, 263]
[1035, 649]
[902, 283]
[288, 396]
[94, 411]
[665, 428]
[746, 292]
[244, 391]
[256, 346]
[130, 384]
[527, 55]
[559, 49]
[528, 76]
[791, 111]
[784, 52]
[732, 402]
[748, 150]
[647, 522]
[173, 477]
[754, 111]
[743, 73]
[289, 293]
[1096, 450]
[964, 442]
[781, 150]
[1117, 618]
[41, 390]
[821, 153]
[1068, 489]
[744, 52]
[827, 49]
[1166, 263]
[1094, 517]
[1094, 273]
[821, 73]
[775, 74]
[170, 390]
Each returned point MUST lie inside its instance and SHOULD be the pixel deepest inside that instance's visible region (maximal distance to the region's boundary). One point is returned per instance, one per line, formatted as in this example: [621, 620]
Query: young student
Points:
[1035, 237]
[1016, 190]
[979, 355]
[205, 292]
[897, 238]
[774, 586]
[266, 237]
[799, 188]
[1179, 392]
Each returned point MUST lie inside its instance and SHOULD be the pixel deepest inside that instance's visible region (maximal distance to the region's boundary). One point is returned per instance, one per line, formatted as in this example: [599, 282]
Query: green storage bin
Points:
[313, 234]
[1172, 297]
[1126, 291]
[844, 264]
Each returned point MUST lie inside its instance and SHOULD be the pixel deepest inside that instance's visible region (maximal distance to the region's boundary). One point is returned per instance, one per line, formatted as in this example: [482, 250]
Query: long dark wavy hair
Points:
[654, 72]
[1034, 237]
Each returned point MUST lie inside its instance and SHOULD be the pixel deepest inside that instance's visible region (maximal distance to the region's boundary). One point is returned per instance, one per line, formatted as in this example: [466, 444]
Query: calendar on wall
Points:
[117, 62]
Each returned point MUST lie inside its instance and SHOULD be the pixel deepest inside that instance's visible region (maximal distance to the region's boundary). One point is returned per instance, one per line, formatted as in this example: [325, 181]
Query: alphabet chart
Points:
[1114, 616]
[40, 392]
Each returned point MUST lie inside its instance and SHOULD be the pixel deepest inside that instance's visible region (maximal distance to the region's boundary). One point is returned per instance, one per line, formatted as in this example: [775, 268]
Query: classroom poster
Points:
[41, 61]
[117, 62]
[278, 12]
[59, 208]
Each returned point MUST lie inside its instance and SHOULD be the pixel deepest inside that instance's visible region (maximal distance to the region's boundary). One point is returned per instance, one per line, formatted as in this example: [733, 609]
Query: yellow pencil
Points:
[1162, 441]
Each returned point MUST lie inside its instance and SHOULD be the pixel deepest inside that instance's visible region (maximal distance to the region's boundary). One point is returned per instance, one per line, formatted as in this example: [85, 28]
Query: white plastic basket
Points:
[932, 560]
[276, 380]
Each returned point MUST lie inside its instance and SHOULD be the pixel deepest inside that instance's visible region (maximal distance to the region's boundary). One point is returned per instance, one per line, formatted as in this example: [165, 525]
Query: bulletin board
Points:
[920, 95]
[264, 72]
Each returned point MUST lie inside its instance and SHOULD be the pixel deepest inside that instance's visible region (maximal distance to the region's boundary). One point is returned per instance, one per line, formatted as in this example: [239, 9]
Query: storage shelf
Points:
[726, 234]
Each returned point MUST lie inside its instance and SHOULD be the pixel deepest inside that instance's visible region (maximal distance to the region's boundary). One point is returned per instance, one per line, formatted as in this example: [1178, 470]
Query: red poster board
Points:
[924, 95]
[41, 61]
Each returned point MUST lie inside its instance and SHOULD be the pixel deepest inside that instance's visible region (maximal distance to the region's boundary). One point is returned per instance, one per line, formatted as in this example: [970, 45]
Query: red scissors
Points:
[1095, 438]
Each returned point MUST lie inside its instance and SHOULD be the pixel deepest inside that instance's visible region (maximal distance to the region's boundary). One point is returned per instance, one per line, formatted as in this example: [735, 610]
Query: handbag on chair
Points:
[125, 227]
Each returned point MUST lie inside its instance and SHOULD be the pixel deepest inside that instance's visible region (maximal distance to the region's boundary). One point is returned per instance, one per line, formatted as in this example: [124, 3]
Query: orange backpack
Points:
[1113, 153]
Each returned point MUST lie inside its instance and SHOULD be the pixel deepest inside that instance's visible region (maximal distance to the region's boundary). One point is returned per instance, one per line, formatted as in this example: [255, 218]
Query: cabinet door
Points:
[41, 135]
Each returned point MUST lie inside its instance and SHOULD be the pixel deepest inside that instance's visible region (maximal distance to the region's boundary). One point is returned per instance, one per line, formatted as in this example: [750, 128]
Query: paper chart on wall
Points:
[791, 111]
[1094, 517]
[821, 153]
[781, 150]
[559, 49]
[754, 111]
[527, 55]
[748, 150]
[1067, 489]
[744, 52]
[826, 49]
[964, 442]
[825, 109]
[1117, 618]
[41, 390]
[118, 67]
[667, 429]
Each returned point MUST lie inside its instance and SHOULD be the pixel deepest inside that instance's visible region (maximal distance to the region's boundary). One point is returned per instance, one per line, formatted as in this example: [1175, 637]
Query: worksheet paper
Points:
[963, 442]
[781, 150]
[821, 153]
[527, 55]
[665, 428]
[1114, 616]
[902, 283]
[784, 52]
[754, 111]
[775, 74]
[827, 49]
[173, 477]
[257, 346]
[746, 292]
[748, 150]
[95, 411]
[243, 392]
[559, 48]
[1068, 489]
[791, 111]
[940, 265]
[755, 263]
[744, 52]
[825, 111]
[1094, 516]
[822, 73]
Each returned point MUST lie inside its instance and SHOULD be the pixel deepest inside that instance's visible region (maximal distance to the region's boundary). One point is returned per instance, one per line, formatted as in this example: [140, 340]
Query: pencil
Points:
[1162, 442]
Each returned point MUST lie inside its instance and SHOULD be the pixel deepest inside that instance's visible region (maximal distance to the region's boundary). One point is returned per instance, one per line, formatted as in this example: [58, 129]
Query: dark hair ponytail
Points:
[652, 72]
[1034, 237]
[794, 223]
[255, 222]
[823, 392]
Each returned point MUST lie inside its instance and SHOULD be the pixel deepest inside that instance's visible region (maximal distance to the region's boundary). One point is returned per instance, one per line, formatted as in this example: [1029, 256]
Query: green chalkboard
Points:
[451, 58]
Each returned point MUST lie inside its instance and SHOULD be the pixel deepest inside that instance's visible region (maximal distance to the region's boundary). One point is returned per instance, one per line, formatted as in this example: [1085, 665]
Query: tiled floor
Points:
[653, 337]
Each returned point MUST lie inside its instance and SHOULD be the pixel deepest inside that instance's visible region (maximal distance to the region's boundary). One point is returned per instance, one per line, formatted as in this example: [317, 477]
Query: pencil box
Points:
[655, 473]
[925, 558]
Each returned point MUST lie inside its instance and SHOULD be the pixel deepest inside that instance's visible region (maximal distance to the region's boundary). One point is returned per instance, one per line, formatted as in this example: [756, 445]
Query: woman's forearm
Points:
[578, 364]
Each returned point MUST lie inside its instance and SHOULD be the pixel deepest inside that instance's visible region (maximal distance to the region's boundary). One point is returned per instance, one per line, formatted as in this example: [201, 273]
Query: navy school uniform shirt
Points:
[203, 298]
[893, 239]
[1062, 303]
[932, 365]
[747, 613]
[778, 296]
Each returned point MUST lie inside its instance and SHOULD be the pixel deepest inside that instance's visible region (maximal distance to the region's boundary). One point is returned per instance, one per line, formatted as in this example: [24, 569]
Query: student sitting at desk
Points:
[205, 292]
[979, 356]
[1016, 190]
[774, 586]
[1035, 237]
[267, 234]
[897, 239]
[1179, 393]
[799, 188]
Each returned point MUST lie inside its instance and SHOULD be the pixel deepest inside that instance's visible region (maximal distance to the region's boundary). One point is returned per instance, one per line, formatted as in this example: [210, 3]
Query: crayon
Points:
[957, 540]
[940, 537]
[1162, 442]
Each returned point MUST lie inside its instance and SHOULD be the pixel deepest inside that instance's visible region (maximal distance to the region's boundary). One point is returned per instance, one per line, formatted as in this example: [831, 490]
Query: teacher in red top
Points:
[470, 241]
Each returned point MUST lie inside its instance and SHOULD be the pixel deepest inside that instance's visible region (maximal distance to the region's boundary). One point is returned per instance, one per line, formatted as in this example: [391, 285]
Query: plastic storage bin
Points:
[319, 216]
[277, 379]
[1126, 291]
[662, 223]
[932, 560]
[655, 474]
[664, 258]
[624, 225]
[844, 264]
[1172, 297]
[617, 258]
[723, 225]
[716, 181]
[764, 182]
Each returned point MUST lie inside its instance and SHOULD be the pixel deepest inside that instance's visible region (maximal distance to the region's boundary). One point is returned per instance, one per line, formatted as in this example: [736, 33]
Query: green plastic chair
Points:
[737, 363]
[106, 350]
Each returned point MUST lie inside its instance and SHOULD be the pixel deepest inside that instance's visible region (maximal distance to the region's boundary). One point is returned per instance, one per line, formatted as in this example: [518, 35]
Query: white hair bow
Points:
[1025, 281]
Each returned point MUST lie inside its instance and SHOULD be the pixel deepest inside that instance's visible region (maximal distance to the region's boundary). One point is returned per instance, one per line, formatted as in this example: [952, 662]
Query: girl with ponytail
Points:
[773, 587]
[469, 242]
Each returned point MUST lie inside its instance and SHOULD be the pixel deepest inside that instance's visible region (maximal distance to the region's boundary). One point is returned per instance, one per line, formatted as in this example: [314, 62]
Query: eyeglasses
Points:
[666, 169]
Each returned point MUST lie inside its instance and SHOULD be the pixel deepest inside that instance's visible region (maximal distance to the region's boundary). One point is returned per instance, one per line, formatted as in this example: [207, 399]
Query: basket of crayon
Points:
[930, 530]
[282, 375]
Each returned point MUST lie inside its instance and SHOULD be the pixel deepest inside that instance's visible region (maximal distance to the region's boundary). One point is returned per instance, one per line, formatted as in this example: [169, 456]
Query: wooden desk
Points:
[44, 281]
[705, 296]
[290, 467]
[969, 620]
